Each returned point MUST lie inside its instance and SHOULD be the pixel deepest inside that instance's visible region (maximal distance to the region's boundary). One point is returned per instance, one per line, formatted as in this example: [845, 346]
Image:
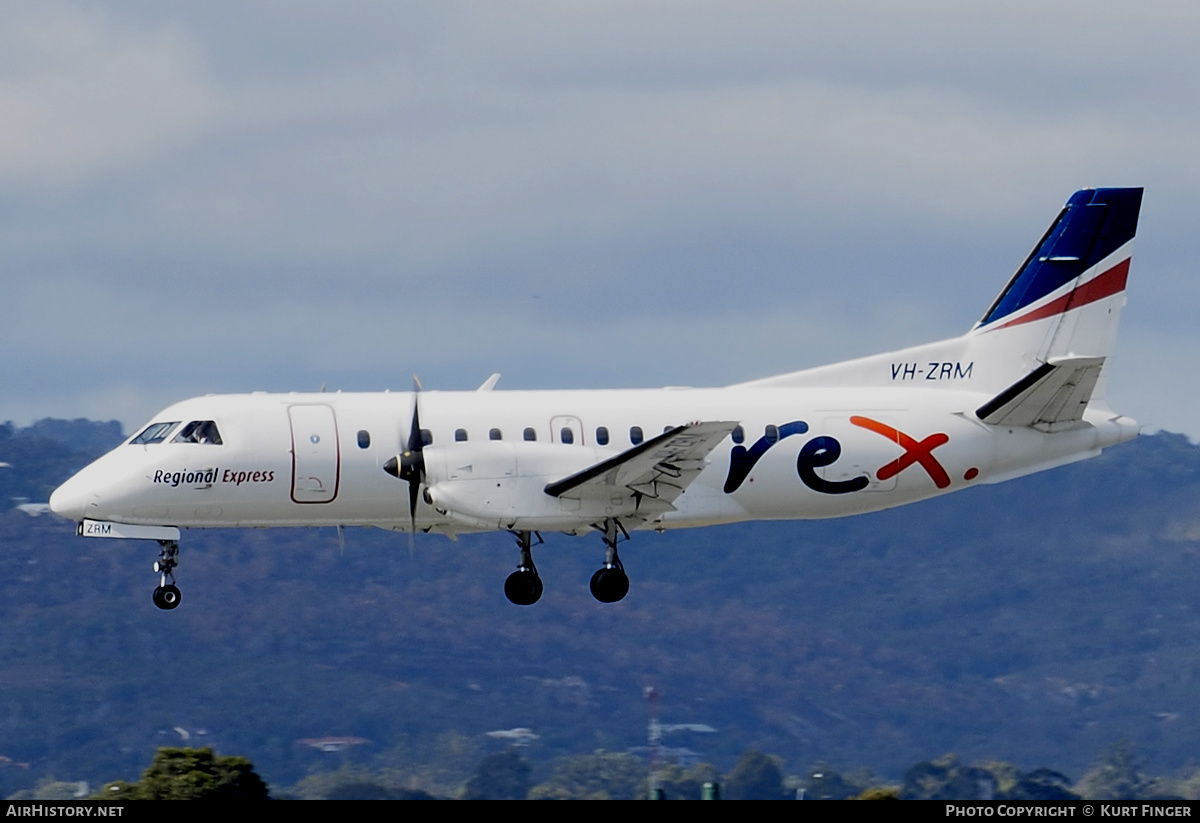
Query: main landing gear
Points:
[167, 596]
[610, 583]
[523, 586]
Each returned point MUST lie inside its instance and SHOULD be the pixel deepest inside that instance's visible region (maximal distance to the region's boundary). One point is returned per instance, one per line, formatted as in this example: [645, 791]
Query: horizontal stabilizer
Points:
[649, 476]
[1051, 398]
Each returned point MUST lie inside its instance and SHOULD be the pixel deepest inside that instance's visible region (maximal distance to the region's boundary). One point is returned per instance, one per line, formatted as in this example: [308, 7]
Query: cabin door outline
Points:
[316, 454]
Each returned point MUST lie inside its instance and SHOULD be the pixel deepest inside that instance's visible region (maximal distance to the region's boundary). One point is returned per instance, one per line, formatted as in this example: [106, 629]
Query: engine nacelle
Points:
[486, 484]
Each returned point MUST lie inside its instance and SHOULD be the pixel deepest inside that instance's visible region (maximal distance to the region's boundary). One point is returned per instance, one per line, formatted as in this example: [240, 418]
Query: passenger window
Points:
[154, 433]
[635, 435]
[566, 435]
[364, 439]
[530, 434]
[460, 435]
[772, 434]
[738, 434]
[199, 431]
[602, 436]
[426, 437]
[494, 434]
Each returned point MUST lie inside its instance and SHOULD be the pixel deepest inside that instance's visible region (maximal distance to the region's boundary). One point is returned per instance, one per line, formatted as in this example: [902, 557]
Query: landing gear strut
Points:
[167, 596]
[610, 583]
[523, 586]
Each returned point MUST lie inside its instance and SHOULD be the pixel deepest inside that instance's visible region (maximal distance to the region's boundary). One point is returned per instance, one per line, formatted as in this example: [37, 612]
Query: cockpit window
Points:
[154, 433]
[199, 431]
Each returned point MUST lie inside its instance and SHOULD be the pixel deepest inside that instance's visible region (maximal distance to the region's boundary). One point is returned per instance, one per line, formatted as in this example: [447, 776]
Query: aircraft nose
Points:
[70, 500]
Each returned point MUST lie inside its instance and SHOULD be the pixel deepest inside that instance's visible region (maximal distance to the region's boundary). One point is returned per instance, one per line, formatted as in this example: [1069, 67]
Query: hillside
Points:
[1037, 622]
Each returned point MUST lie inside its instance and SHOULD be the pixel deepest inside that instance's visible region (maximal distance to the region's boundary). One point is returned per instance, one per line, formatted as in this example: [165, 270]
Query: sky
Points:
[223, 196]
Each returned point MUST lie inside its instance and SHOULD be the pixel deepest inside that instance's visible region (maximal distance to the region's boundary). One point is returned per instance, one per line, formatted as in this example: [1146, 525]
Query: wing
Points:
[646, 479]
[1050, 398]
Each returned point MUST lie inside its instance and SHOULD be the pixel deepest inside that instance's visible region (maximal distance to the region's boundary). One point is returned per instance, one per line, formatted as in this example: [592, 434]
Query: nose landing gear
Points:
[167, 595]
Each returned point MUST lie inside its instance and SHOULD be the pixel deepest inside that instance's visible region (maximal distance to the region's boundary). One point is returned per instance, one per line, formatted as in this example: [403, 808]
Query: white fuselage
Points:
[318, 459]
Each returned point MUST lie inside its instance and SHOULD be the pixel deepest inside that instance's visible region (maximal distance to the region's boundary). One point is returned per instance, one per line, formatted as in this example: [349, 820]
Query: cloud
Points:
[84, 97]
[570, 193]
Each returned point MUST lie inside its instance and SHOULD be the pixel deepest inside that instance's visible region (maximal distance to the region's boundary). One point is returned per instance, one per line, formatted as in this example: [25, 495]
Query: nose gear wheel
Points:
[167, 595]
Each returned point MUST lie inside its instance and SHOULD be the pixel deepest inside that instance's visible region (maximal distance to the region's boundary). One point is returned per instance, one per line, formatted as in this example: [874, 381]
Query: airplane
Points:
[1020, 392]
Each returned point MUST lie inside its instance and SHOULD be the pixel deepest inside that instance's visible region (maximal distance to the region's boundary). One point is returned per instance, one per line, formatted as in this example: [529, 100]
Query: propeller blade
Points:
[412, 462]
[415, 443]
[414, 492]
[409, 466]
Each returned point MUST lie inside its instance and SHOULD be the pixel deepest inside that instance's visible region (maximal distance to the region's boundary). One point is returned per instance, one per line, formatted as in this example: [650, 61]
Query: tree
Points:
[1117, 775]
[880, 793]
[191, 774]
[678, 784]
[352, 782]
[946, 779]
[755, 776]
[503, 776]
[824, 783]
[1041, 784]
[598, 776]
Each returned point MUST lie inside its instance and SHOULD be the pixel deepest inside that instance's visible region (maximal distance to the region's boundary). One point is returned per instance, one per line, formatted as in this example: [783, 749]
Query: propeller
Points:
[410, 465]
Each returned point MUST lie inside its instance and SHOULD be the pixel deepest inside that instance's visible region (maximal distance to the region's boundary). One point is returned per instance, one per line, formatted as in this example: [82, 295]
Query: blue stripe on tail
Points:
[1093, 224]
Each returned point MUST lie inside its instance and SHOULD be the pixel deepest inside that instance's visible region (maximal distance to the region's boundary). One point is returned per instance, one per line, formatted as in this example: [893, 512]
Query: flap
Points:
[652, 474]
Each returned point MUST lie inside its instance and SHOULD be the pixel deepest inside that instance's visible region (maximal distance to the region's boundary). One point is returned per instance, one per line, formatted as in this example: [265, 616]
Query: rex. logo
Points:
[824, 450]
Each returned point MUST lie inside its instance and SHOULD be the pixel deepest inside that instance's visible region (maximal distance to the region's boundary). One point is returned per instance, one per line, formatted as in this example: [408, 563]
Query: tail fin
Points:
[1065, 300]
[1060, 308]
[1094, 228]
